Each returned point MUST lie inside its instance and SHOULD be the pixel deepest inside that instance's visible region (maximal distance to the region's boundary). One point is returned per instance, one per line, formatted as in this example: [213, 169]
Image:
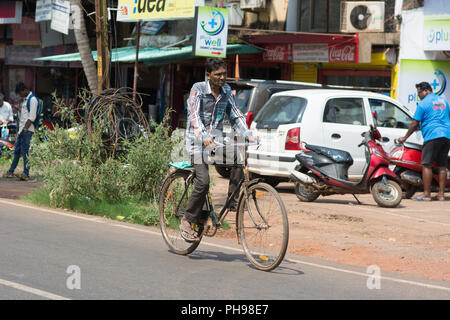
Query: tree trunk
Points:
[89, 67]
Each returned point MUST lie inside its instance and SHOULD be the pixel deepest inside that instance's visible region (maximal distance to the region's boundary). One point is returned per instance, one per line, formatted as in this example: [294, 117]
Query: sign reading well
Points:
[211, 32]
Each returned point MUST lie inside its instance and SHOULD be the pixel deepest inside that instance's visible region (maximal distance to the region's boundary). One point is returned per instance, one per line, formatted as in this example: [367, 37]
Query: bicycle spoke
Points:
[263, 227]
[173, 201]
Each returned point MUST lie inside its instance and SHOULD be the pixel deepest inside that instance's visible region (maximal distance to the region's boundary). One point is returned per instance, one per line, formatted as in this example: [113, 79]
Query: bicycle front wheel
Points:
[263, 226]
[173, 200]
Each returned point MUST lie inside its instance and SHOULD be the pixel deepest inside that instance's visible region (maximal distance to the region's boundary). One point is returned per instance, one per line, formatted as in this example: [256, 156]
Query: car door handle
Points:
[385, 139]
[336, 136]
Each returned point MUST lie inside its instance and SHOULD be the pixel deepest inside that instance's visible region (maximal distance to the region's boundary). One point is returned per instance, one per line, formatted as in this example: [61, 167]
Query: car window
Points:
[389, 115]
[345, 111]
[242, 98]
[281, 110]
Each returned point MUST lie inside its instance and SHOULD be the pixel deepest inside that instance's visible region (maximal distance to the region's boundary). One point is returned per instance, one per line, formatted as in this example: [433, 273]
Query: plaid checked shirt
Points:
[206, 113]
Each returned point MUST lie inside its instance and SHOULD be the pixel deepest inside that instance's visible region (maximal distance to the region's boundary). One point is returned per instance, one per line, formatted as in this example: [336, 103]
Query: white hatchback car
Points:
[324, 117]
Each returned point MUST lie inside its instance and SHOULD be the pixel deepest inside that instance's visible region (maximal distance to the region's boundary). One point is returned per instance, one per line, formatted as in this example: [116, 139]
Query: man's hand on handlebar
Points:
[254, 139]
[401, 140]
[208, 141]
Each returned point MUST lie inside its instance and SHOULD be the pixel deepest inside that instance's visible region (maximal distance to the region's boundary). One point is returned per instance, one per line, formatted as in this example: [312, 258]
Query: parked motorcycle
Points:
[5, 146]
[324, 171]
[407, 159]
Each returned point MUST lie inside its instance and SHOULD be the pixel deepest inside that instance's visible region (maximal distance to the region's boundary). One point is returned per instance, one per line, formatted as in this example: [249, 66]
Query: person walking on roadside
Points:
[208, 103]
[26, 130]
[433, 114]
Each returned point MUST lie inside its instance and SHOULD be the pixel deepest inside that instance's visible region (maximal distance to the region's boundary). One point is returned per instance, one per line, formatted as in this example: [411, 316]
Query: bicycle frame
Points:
[218, 218]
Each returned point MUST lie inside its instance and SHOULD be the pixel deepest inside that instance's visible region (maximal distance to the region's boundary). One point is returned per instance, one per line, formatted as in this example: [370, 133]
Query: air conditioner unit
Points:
[362, 16]
[253, 4]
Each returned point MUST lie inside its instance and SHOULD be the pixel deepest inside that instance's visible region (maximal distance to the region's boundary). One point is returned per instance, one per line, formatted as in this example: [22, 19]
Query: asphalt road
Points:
[51, 254]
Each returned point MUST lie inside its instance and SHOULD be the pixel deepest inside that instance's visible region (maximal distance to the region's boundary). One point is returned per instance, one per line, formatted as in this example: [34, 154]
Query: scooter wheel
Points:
[387, 195]
[304, 193]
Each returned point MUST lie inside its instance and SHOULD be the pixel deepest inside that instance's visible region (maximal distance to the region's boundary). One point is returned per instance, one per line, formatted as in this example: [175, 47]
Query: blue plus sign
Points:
[212, 23]
[434, 84]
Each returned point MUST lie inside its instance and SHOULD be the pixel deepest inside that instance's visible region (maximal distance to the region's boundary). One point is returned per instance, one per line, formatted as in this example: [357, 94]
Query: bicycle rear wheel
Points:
[263, 226]
[173, 200]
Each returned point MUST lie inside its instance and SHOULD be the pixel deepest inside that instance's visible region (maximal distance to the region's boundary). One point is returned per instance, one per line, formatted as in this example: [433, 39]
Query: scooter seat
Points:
[338, 156]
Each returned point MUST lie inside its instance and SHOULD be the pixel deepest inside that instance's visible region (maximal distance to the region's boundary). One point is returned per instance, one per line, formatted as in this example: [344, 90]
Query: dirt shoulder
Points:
[412, 239]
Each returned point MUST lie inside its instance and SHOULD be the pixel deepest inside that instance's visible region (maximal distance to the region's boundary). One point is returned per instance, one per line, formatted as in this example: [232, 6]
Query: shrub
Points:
[73, 163]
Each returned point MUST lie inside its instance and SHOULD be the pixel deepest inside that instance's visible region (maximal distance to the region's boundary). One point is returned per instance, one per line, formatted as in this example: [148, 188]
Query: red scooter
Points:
[407, 159]
[324, 171]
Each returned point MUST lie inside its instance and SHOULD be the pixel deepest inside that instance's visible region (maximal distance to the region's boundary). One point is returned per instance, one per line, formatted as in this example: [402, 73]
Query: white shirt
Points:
[25, 115]
[6, 113]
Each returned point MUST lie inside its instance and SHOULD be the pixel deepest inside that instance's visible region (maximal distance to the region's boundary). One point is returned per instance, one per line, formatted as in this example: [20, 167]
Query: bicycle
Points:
[263, 234]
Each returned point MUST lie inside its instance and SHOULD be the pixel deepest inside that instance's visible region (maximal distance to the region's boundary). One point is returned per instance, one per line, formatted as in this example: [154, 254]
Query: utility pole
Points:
[101, 23]
[136, 61]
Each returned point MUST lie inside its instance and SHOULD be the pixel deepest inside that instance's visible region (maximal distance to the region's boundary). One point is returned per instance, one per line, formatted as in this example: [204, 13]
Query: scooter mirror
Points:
[375, 115]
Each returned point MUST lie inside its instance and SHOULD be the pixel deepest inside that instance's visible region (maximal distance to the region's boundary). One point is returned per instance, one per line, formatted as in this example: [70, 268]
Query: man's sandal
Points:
[187, 233]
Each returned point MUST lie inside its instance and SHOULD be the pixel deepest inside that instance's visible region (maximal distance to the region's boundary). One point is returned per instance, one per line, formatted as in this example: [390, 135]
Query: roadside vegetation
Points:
[82, 172]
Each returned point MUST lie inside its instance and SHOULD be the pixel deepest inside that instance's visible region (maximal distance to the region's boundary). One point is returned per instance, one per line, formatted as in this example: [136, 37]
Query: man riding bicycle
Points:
[208, 103]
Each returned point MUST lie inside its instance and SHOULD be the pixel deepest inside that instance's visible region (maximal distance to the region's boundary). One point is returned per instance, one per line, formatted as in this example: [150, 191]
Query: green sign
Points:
[210, 38]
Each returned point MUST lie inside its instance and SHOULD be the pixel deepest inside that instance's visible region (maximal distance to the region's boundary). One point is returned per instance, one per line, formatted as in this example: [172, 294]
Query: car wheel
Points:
[273, 181]
[223, 171]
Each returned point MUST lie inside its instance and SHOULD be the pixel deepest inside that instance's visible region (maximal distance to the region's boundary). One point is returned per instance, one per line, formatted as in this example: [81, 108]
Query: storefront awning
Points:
[151, 56]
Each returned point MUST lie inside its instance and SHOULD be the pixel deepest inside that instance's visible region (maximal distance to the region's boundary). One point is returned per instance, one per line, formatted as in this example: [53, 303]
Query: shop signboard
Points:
[310, 52]
[324, 52]
[10, 12]
[436, 73]
[43, 10]
[23, 55]
[27, 33]
[211, 32]
[134, 10]
[61, 16]
[151, 27]
[436, 26]
[436, 34]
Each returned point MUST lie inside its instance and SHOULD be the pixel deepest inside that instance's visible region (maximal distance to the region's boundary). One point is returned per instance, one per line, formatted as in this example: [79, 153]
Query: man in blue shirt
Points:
[433, 114]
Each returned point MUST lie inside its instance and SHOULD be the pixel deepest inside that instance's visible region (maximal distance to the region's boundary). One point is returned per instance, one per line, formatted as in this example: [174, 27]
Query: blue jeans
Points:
[21, 149]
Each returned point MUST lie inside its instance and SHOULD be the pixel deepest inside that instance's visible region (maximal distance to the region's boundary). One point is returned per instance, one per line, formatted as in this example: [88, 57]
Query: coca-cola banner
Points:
[342, 53]
[276, 53]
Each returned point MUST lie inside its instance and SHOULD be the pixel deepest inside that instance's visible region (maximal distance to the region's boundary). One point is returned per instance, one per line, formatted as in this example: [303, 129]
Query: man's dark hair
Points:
[213, 64]
[21, 87]
[424, 86]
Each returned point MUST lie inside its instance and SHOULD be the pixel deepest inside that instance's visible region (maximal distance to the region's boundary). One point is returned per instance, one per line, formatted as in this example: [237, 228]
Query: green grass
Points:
[131, 211]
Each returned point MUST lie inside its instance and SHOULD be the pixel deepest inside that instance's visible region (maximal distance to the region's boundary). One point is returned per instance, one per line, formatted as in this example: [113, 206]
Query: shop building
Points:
[424, 50]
